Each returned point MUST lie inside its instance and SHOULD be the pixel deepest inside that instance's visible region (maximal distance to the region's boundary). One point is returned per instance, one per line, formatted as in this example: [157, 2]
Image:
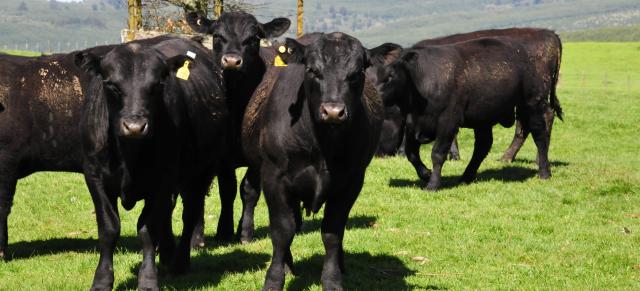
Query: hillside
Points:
[41, 25]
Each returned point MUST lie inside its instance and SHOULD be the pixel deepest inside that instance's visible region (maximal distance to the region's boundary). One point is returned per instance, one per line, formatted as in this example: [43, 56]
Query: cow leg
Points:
[412, 150]
[518, 140]
[197, 238]
[7, 190]
[454, 152]
[482, 145]
[549, 116]
[227, 187]
[193, 202]
[537, 125]
[439, 155]
[148, 273]
[249, 193]
[336, 214]
[283, 228]
[108, 232]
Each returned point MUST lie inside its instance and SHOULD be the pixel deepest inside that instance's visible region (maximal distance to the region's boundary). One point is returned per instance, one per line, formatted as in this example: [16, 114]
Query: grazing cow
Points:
[40, 108]
[236, 46]
[152, 126]
[311, 129]
[545, 51]
[474, 84]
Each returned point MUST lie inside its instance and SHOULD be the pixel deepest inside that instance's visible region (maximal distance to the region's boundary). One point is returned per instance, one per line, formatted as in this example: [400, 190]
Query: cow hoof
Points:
[197, 242]
[432, 187]
[454, 157]
[246, 238]
[271, 287]
[2, 256]
[148, 286]
[331, 286]
[544, 175]
[507, 159]
[467, 179]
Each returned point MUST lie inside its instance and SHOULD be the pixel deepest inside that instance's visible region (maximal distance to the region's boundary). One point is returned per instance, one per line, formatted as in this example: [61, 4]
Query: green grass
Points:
[509, 230]
[21, 53]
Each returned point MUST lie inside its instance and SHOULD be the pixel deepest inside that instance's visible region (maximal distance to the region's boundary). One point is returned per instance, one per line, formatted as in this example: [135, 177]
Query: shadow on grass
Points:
[206, 270]
[363, 272]
[27, 249]
[552, 163]
[313, 225]
[509, 173]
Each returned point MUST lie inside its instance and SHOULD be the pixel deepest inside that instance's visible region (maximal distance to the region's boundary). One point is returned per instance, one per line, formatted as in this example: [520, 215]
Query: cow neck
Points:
[240, 86]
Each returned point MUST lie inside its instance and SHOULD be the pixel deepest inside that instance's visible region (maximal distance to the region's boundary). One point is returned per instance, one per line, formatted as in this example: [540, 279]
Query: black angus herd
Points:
[161, 117]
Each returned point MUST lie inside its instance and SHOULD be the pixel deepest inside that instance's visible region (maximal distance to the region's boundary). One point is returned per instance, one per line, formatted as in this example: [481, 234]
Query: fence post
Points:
[218, 8]
[300, 17]
[135, 18]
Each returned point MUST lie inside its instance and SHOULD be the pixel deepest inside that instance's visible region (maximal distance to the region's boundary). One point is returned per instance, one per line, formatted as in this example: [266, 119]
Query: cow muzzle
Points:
[231, 62]
[333, 113]
[134, 127]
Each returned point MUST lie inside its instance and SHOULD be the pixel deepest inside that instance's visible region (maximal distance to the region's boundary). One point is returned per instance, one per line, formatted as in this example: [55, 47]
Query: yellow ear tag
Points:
[278, 62]
[183, 72]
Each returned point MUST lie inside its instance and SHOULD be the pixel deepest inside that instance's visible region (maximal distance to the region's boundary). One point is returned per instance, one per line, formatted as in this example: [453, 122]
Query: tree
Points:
[54, 5]
[23, 7]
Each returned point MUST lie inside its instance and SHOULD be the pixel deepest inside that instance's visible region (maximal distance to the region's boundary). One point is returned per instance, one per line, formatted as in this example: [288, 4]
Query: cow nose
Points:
[231, 61]
[135, 127]
[333, 112]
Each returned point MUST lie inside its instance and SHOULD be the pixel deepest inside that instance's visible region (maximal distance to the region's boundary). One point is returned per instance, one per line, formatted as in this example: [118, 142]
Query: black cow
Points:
[236, 46]
[545, 51]
[153, 125]
[312, 131]
[474, 84]
[40, 100]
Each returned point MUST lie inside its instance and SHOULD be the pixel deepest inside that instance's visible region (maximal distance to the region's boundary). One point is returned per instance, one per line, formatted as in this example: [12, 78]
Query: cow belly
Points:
[488, 112]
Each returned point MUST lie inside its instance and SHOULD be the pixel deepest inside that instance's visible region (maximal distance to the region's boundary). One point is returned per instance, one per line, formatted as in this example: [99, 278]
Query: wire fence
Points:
[629, 81]
[54, 46]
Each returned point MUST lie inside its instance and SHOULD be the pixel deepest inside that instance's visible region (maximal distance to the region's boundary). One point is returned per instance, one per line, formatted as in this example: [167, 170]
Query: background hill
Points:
[50, 25]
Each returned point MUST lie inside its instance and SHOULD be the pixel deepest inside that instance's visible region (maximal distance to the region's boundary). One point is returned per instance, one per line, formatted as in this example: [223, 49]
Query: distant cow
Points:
[545, 51]
[153, 125]
[40, 107]
[236, 47]
[312, 129]
[474, 84]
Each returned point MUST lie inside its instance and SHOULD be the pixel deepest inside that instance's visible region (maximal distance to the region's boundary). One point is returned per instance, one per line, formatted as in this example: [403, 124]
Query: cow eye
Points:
[112, 87]
[219, 37]
[251, 41]
[314, 73]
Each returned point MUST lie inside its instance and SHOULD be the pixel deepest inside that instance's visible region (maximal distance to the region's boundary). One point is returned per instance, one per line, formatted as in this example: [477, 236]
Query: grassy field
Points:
[509, 230]
[21, 53]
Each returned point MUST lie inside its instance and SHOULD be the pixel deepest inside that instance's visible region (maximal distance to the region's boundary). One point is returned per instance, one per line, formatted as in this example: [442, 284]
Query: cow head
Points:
[133, 80]
[236, 37]
[386, 73]
[334, 80]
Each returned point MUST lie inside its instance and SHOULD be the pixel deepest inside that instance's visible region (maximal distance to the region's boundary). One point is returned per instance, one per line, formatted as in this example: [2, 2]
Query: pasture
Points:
[509, 230]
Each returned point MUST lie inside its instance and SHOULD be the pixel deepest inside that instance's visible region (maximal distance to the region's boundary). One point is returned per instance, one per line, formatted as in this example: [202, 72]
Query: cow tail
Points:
[555, 103]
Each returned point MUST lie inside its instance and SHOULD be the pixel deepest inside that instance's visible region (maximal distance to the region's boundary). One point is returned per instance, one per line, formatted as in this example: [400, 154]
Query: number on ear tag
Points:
[183, 72]
[278, 62]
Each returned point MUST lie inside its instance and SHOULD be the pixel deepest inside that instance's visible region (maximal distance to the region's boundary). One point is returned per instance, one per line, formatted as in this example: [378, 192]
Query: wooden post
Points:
[300, 17]
[218, 8]
[135, 18]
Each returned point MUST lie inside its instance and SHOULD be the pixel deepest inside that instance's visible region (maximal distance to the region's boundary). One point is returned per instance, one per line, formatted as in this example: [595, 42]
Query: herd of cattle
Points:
[161, 117]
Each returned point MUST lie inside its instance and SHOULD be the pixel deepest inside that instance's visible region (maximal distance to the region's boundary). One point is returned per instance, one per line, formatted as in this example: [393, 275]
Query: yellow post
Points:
[218, 8]
[300, 16]
[135, 17]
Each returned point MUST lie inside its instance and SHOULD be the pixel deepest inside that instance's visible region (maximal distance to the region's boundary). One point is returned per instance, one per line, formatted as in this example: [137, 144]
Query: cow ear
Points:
[410, 57]
[200, 23]
[292, 52]
[387, 53]
[179, 62]
[88, 62]
[276, 27]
